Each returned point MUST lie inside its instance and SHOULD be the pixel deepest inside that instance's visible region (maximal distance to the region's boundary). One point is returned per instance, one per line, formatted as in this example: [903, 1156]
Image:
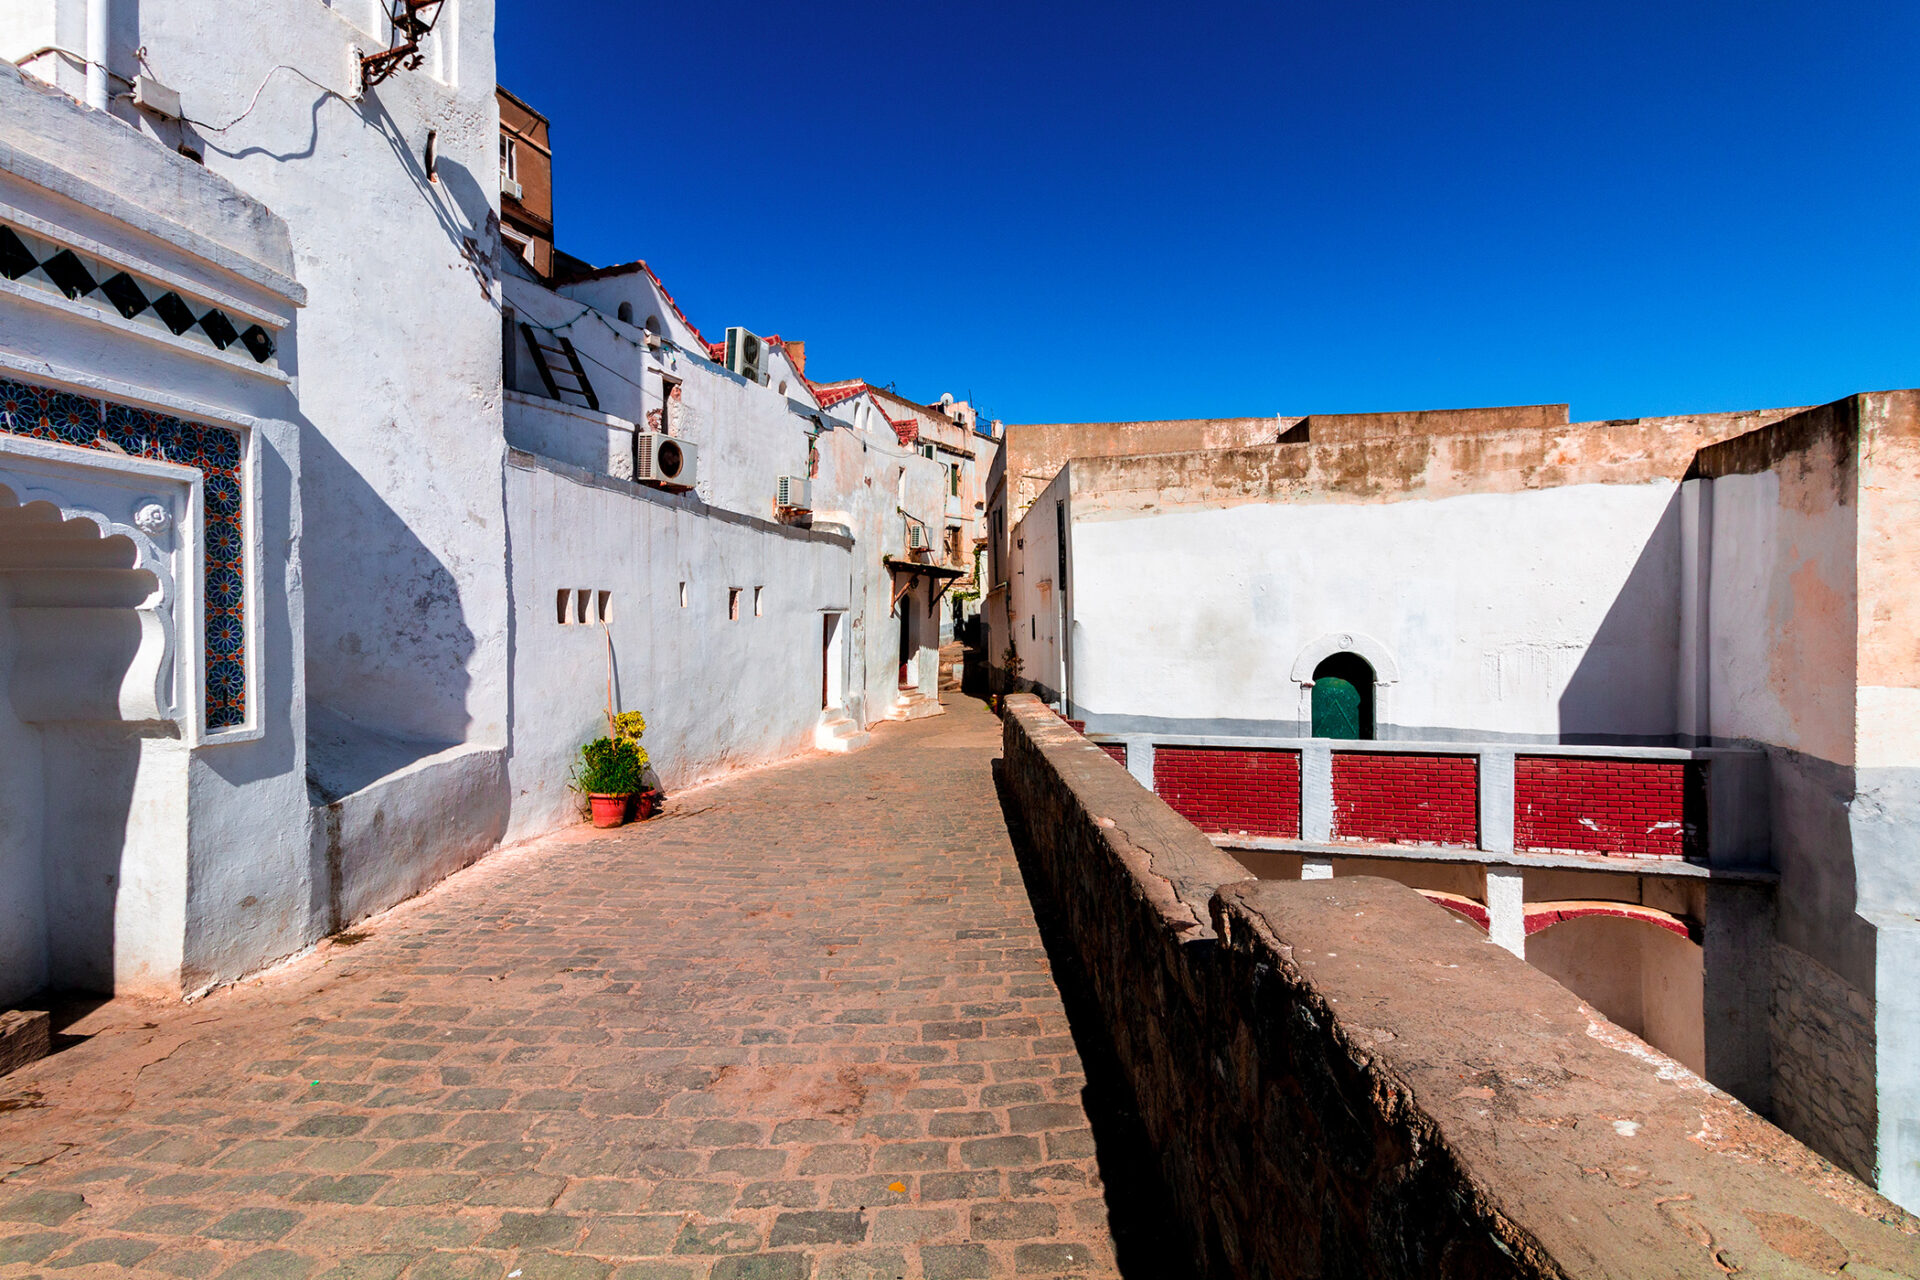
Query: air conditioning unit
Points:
[509, 186]
[666, 461]
[796, 494]
[916, 537]
[747, 356]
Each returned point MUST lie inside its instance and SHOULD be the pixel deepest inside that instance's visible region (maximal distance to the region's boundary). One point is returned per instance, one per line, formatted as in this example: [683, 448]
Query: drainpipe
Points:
[99, 39]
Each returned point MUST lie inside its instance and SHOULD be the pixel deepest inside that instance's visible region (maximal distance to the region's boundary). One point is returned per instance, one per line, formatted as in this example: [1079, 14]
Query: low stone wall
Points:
[1343, 1079]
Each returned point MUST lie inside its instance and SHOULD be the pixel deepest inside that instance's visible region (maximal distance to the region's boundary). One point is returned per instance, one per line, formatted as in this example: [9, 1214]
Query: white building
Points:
[297, 617]
[1634, 696]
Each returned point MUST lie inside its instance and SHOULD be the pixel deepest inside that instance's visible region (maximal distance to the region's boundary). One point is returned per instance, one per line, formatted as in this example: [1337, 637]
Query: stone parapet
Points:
[1342, 1078]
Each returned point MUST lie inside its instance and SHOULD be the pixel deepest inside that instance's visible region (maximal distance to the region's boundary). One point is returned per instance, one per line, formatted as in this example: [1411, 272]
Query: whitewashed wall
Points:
[1524, 616]
[105, 882]
[718, 693]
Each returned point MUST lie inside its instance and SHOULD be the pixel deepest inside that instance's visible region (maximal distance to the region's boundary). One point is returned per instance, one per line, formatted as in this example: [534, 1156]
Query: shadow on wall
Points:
[68, 769]
[1623, 690]
[377, 701]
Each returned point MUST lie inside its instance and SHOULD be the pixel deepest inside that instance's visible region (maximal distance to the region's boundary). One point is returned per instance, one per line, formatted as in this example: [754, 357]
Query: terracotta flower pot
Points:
[643, 805]
[608, 811]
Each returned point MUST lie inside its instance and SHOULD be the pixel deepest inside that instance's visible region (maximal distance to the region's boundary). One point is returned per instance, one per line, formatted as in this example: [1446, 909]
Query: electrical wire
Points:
[328, 90]
[80, 58]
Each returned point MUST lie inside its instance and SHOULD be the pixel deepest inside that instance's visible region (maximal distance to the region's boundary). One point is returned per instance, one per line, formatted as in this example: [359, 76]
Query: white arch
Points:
[149, 689]
[1385, 669]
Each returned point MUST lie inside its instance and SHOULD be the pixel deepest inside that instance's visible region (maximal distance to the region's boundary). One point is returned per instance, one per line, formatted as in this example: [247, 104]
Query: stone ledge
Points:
[25, 1036]
[1342, 1078]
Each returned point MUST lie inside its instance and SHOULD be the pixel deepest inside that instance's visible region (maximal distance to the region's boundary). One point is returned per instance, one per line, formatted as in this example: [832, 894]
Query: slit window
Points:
[759, 608]
[733, 604]
[683, 595]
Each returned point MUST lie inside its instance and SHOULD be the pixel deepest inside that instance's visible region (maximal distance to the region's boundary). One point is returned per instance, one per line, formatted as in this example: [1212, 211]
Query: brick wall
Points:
[1312, 1060]
[1118, 750]
[1228, 789]
[1392, 798]
[1630, 808]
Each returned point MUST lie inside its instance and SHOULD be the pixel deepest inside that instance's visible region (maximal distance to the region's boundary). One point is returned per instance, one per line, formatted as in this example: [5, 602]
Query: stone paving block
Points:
[1004, 1220]
[630, 1235]
[533, 1230]
[104, 1251]
[790, 1194]
[910, 1226]
[962, 1124]
[553, 1266]
[861, 1264]
[758, 1162]
[955, 1262]
[895, 1157]
[1053, 1259]
[837, 1158]
[666, 1037]
[371, 1266]
[34, 1246]
[717, 1237]
[875, 1189]
[818, 1227]
[765, 1266]
[1000, 1153]
[47, 1208]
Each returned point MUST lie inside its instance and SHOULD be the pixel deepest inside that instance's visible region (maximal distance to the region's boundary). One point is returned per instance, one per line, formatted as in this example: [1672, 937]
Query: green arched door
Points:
[1336, 708]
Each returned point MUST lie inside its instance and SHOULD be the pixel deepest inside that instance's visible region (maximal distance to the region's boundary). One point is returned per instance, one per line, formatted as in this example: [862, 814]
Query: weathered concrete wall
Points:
[1327, 428]
[1033, 453]
[1343, 1079]
[1809, 545]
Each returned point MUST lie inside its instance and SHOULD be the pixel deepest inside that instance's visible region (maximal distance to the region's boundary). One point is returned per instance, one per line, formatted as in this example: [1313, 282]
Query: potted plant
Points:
[627, 727]
[611, 772]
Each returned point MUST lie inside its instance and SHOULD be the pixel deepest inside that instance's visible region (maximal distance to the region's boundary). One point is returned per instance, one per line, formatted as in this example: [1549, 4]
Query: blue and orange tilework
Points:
[67, 418]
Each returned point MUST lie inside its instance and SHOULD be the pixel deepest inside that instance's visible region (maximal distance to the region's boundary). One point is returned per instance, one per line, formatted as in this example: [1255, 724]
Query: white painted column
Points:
[1316, 868]
[1316, 794]
[1506, 910]
[1496, 800]
[1140, 761]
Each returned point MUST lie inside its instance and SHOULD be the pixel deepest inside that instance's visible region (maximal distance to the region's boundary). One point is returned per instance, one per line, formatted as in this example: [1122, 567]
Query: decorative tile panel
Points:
[27, 258]
[66, 418]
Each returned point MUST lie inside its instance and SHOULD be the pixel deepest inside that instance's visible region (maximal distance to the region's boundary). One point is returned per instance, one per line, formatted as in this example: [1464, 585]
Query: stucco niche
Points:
[1386, 672]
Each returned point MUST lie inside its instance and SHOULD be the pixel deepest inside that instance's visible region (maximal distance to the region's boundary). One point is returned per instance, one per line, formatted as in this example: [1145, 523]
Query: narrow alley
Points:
[802, 1025]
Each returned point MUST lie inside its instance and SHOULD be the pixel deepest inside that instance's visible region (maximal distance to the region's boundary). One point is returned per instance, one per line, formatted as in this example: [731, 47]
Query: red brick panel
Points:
[1227, 789]
[1628, 808]
[1392, 798]
[1118, 750]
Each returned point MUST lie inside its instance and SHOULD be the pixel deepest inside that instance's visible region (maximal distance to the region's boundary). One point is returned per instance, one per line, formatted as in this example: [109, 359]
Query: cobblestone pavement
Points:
[801, 1025]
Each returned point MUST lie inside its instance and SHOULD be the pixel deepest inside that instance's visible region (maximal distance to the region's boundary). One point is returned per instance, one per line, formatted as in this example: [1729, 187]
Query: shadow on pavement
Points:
[1147, 1242]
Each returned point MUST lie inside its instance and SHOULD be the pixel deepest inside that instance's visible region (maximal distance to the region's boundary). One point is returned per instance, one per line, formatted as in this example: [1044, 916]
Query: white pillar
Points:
[1316, 794]
[1140, 761]
[1496, 800]
[1507, 910]
[1316, 868]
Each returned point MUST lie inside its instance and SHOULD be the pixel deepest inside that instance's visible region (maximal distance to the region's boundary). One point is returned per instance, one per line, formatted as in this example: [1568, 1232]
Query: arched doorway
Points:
[1343, 697]
[81, 661]
[1636, 965]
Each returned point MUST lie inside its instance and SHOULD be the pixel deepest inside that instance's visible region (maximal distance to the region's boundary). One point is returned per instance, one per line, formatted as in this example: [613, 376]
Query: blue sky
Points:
[1092, 212]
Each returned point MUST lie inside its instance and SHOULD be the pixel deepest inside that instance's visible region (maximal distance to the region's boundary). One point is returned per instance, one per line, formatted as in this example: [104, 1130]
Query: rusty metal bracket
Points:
[412, 20]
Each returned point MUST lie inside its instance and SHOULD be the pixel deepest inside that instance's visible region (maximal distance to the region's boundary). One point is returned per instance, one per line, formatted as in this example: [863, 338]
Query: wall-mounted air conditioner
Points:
[509, 186]
[916, 537]
[795, 494]
[747, 356]
[666, 461]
